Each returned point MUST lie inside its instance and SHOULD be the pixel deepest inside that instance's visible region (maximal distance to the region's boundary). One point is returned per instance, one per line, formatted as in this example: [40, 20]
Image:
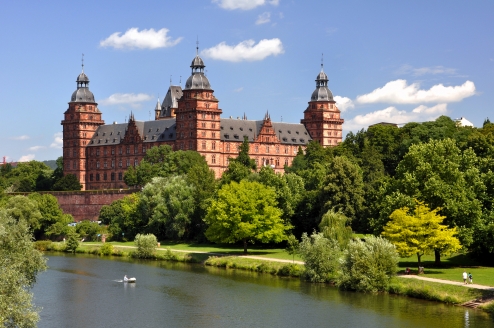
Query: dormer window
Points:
[289, 132]
[279, 131]
[296, 132]
[231, 127]
[285, 139]
[235, 136]
[241, 129]
[149, 130]
[294, 140]
[227, 136]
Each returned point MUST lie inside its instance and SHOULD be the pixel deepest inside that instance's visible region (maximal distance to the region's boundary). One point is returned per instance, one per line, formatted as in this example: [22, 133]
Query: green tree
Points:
[50, 211]
[439, 174]
[420, 231]
[20, 263]
[22, 208]
[343, 188]
[368, 265]
[335, 226]
[123, 218]
[243, 156]
[245, 211]
[292, 245]
[67, 183]
[146, 245]
[72, 241]
[321, 257]
[169, 203]
[88, 230]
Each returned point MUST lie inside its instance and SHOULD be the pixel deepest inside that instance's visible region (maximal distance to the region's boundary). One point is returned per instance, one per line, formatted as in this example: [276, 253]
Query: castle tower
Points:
[322, 117]
[80, 121]
[198, 117]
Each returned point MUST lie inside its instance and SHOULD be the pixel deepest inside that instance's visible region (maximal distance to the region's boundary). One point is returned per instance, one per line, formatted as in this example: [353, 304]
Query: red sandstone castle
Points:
[188, 119]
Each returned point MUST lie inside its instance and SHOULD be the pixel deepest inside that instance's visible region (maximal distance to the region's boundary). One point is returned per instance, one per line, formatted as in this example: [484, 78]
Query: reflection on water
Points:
[82, 291]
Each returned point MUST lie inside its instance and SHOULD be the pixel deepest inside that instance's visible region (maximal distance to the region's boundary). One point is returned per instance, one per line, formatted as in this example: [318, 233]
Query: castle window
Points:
[286, 150]
[128, 162]
[277, 162]
[213, 134]
[204, 145]
[113, 149]
[289, 132]
[227, 136]
[227, 147]
[203, 133]
[74, 153]
[74, 165]
[120, 151]
[104, 133]
[112, 176]
[181, 145]
[112, 163]
[91, 177]
[136, 150]
[285, 139]
[296, 132]
[213, 159]
[152, 138]
[136, 162]
[302, 140]
[143, 149]
[213, 126]
[203, 116]
[97, 152]
[190, 134]
[105, 176]
[203, 125]
[267, 149]
[190, 144]
[213, 116]
[97, 164]
[170, 135]
[120, 176]
[120, 163]
[97, 176]
[294, 140]
[256, 148]
[277, 150]
[235, 136]
[149, 130]
[286, 161]
[105, 164]
[213, 146]
[128, 150]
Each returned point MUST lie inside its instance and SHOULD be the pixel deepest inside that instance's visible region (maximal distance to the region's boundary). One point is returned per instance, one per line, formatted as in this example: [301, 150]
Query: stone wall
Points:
[85, 205]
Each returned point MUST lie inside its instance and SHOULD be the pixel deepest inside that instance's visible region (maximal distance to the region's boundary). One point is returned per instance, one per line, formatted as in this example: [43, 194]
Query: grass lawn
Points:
[451, 268]
[238, 250]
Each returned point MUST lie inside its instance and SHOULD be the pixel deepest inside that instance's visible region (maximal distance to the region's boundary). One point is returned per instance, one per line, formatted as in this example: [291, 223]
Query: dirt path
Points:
[449, 282]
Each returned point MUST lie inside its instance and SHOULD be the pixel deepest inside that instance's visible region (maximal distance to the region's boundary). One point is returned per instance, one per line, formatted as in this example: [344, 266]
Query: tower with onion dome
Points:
[81, 119]
[322, 117]
[198, 117]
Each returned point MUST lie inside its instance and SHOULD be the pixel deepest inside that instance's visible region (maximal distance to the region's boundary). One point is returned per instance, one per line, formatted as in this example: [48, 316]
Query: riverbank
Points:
[400, 285]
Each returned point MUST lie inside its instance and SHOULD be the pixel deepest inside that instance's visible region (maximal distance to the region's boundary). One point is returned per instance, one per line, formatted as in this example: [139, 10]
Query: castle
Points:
[98, 154]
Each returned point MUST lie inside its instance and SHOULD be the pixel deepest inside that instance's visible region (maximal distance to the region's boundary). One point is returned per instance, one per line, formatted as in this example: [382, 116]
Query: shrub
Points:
[72, 242]
[321, 257]
[106, 249]
[368, 265]
[146, 245]
[43, 245]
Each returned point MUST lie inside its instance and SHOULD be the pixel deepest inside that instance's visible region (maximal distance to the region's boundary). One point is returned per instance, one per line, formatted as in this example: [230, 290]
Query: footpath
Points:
[222, 254]
[448, 282]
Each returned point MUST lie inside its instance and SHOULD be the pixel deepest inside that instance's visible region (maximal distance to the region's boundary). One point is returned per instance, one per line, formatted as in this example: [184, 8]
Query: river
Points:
[84, 291]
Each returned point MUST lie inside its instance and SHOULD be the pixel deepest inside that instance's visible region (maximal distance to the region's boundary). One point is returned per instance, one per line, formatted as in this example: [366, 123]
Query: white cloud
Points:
[238, 89]
[433, 70]
[26, 158]
[343, 103]
[263, 18]
[393, 115]
[244, 4]
[131, 99]
[145, 39]
[245, 51]
[23, 137]
[36, 148]
[399, 92]
[57, 140]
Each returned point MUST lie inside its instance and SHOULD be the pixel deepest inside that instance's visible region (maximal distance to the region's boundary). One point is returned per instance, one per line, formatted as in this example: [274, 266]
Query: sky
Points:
[387, 61]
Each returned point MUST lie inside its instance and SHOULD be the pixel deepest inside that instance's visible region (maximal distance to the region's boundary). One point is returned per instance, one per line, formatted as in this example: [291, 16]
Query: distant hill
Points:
[52, 164]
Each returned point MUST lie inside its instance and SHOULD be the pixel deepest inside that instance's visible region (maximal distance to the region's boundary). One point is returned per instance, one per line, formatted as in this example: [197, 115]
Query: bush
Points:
[106, 249]
[146, 246]
[72, 242]
[321, 257]
[368, 265]
[43, 245]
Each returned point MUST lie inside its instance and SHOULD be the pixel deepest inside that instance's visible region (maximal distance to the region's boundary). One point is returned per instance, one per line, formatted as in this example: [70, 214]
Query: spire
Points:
[82, 63]
[197, 46]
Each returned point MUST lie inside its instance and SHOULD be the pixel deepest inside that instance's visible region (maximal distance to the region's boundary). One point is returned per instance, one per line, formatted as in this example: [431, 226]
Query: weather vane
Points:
[82, 62]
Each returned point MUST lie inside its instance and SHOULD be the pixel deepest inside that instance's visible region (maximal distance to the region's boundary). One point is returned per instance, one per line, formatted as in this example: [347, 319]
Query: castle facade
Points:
[187, 119]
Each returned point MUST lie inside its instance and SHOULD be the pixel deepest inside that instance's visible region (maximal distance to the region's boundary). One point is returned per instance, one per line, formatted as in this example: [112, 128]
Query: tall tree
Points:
[20, 263]
[420, 231]
[245, 211]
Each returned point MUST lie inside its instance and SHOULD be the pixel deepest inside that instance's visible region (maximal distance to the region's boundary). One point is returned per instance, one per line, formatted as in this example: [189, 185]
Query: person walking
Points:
[465, 276]
[470, 277]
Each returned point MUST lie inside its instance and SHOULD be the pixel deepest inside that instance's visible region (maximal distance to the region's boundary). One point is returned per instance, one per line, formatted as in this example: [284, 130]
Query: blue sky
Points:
[392, 61]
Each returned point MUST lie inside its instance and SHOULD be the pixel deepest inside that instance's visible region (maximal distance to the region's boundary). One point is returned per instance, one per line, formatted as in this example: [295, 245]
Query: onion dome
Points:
[197, 80]
[82, 94]
[322, 92]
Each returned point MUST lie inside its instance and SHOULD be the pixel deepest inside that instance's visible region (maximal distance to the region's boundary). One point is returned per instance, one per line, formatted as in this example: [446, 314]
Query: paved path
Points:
[448, 282]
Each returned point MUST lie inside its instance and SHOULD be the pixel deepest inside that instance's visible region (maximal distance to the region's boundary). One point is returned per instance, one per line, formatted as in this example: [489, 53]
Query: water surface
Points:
[85, 291]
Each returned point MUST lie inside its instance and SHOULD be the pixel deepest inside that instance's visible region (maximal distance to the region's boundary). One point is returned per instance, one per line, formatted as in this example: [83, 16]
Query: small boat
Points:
[129, 280]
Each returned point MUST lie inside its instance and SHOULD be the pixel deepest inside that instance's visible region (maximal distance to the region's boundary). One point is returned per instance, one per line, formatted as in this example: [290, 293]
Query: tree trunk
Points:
[245, 246]
[419, 263]
[437, 257]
